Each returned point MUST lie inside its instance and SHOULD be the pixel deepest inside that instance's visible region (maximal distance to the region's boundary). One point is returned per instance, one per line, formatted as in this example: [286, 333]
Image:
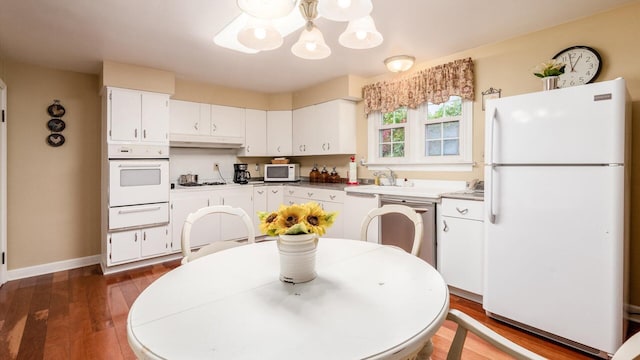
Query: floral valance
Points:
[433, 85]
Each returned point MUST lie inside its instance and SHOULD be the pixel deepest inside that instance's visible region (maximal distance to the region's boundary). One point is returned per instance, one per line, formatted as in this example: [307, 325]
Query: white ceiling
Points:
[176, 35]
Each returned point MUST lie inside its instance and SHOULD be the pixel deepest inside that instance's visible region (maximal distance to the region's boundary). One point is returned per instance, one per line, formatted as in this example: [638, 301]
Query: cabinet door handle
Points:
[135, 133]
[274, 191]
[291, 192]
[144, 133]
[248, 148]
[260, 192]
[462, 211]
[195, 126]
[309, 194]
[135, 237]
[446, 227]
[144, 236]
[332, 197]
[278, 148]
[214, 127]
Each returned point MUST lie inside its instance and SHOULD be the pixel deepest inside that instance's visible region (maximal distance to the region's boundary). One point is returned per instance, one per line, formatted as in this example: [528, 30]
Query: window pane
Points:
[398, 150]
[385, 135]
[401, 116]
[433, 131]
[453, 107]
[385, 150]
[435, 111]
[398, 134]
[451, 129]
[434, 148]
[451, 147]
[387, 118]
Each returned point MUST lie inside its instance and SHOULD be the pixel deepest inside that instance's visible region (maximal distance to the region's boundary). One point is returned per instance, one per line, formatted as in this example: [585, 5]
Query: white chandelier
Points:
[264, 23]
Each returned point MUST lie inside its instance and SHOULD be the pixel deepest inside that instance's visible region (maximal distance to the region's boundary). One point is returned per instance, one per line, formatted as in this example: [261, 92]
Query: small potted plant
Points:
[549, 72]
[297, 227]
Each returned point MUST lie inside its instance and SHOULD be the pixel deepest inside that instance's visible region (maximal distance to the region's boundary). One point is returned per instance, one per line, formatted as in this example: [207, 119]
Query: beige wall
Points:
[54, 193]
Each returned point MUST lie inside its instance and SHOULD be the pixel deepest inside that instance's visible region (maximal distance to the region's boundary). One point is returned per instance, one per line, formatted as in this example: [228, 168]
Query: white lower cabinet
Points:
[266, 198]
[204, 231]
[357, 206]
[461, 244]
[133, 245]
[330, 200]
[232, 227]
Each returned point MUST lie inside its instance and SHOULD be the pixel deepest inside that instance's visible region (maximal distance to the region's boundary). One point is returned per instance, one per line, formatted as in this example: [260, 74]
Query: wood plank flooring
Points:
[82, 314]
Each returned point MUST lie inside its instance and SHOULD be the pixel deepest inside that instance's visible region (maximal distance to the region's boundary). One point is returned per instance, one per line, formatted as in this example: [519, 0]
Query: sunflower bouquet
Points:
[296, 219]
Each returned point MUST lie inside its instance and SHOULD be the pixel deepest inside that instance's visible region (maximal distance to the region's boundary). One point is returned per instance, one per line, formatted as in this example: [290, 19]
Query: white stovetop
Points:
[412, 188]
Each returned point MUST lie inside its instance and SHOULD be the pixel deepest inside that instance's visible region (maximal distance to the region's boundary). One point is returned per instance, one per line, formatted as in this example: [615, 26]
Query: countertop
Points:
[422, 189]
[465, 195]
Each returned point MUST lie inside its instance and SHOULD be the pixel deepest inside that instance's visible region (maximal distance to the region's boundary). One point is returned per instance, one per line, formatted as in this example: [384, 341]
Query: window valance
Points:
[433, 85]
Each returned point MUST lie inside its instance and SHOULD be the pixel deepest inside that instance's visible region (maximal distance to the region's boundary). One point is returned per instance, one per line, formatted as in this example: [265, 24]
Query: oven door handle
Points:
[139, 166]
[155, 208]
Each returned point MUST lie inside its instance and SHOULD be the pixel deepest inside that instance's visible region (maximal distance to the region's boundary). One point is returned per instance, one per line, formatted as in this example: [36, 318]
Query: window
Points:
[433, 137]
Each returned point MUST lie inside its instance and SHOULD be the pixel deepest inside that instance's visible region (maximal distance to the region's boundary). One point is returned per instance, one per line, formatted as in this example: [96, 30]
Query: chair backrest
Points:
[188, 255]
[399, 209]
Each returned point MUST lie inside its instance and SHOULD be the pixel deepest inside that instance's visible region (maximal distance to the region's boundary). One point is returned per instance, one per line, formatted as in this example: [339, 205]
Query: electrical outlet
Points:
[215, 166]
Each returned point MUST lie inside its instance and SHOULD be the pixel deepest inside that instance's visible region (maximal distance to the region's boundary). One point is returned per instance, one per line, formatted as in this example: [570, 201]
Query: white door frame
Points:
[3, 183]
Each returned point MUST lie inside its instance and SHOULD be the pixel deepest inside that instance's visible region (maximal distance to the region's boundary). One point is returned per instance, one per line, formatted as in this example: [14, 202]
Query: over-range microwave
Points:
[282, 172]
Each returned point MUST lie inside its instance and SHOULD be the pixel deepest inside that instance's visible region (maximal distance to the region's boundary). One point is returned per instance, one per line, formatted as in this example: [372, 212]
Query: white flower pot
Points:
[297, 257]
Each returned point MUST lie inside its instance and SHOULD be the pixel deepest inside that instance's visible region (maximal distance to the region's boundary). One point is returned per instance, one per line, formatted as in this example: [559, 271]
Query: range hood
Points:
[199, 141]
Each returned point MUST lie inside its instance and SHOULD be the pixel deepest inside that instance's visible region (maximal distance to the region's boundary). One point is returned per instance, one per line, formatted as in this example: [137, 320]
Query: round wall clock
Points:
[583, 65]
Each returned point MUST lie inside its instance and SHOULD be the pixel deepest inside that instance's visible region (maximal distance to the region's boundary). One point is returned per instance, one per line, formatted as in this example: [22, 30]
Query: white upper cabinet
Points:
[204, 125]
[279, 133]
[255, 134]
[227, 122]
[137, 116]
[190, 118]
[325, 129]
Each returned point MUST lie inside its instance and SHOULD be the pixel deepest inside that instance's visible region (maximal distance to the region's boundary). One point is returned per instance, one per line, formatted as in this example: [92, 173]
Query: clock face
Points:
[583, 65]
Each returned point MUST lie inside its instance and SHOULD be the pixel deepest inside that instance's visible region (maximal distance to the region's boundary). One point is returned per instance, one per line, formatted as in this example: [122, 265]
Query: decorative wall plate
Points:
[55, 109]
[55, 140]
[56, 125]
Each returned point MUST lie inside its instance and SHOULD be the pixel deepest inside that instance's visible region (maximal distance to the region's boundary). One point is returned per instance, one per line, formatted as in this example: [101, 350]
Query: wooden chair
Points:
[216, 245]
[400, 209]
[629, 350]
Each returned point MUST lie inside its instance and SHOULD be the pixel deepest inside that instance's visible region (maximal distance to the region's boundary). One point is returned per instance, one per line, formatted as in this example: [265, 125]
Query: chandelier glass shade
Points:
[344, 10]
[267, 9]
[311, 44]
[260, 35]
[361, 33]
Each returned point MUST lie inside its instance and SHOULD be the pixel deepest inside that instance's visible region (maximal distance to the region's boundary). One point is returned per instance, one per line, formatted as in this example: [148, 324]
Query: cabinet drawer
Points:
[466, 209]
[138, 215]
[315, 194]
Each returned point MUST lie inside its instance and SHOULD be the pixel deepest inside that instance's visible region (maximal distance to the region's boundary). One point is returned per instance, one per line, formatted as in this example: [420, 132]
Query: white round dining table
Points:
[368, 301]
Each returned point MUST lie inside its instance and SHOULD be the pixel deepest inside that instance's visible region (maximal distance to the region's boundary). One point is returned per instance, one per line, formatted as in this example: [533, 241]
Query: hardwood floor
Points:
[81, 314]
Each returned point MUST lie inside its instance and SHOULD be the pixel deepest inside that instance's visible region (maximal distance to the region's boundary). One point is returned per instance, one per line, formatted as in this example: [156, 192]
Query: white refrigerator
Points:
[556, 213]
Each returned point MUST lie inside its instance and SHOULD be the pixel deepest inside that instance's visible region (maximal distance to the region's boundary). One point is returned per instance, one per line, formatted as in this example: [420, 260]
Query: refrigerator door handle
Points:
[492, 167]
[492, 215]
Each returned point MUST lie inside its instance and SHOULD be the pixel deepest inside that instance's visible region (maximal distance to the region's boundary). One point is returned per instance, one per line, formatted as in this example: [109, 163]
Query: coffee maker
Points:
[241, 174]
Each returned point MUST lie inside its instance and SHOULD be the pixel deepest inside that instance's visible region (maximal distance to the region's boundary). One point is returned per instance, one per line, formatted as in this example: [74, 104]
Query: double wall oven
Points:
[138, 186]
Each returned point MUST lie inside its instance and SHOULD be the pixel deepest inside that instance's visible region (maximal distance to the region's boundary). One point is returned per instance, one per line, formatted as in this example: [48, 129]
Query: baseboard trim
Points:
[48, 268]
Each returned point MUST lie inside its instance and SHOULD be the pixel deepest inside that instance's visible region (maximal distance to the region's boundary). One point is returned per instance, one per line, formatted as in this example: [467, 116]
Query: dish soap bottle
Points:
[324, 175]
[314, 175]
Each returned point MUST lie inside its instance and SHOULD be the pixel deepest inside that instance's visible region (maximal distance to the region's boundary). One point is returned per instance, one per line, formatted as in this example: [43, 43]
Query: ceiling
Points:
[176, 35]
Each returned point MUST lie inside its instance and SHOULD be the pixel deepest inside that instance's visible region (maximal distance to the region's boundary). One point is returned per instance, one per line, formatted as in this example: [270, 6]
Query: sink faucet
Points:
[391, 176]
